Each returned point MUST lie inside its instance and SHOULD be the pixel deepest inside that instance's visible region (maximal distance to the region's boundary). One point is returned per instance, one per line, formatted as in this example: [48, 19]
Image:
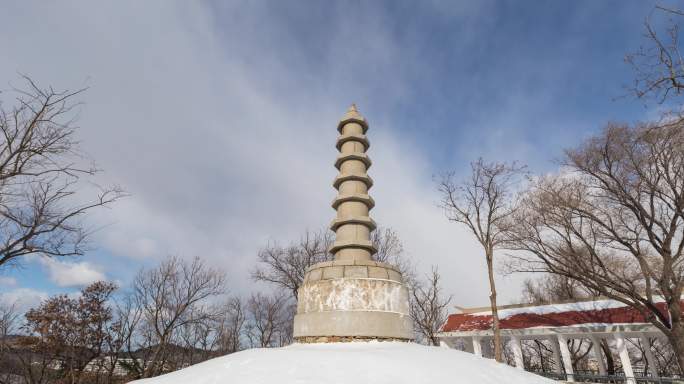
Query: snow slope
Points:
[359, 362]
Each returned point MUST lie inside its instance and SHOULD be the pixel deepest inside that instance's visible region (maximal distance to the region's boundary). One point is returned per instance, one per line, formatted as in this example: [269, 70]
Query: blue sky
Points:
[542, 68]
[219, 117]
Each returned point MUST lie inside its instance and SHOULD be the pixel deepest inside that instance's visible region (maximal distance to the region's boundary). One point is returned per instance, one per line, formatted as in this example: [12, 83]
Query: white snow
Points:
[556, 308]
[358, 362]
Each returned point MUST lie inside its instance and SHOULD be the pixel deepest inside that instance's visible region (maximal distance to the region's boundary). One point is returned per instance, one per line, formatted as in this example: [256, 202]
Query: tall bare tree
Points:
[9, 316]
[484, 204]
[614, 221]
[285, 267]
[122, 336]
[171, 296]
[550, 288]
[658, 65]
[553, 289]
[391, 251]
[428, 306]
[268, 320]
[232, 325]
[40, 174]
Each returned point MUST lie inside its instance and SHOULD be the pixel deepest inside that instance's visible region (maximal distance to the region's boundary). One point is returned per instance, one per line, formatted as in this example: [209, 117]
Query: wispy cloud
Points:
[71, 274]
[7, 281]
[22, 298]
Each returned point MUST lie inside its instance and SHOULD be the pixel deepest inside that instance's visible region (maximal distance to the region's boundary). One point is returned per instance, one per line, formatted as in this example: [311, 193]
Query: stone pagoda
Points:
[352, 297]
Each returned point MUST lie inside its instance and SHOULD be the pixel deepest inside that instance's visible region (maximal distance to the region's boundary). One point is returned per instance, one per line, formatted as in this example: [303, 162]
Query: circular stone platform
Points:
[344, 300]
[358, 362]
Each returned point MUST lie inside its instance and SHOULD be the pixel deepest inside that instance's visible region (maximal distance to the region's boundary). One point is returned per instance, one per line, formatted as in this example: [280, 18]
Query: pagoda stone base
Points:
[344, 339]
[347, 300]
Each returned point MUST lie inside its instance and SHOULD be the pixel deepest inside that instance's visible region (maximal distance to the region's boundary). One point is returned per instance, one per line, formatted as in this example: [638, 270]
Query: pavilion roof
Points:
[592, 312]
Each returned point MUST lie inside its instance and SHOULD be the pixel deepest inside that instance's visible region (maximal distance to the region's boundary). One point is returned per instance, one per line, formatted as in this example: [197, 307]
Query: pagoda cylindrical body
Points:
[352, 224]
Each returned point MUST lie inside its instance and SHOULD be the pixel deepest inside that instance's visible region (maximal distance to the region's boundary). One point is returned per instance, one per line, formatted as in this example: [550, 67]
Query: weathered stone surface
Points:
[345, 339]
[394, 275]
[377, 306]
[314, 275]
[353, 249]
[356, 271]
[354, 138]
[362, 198]
[376, 325]
[342, 262]
[333, 272]
[378, 273]
[379, 270]
[350, 294]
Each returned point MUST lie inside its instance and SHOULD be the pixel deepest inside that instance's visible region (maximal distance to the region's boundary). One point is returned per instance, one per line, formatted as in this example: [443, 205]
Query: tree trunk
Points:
[676, 336]
[152, 368]
[610, 363]
[498, 350]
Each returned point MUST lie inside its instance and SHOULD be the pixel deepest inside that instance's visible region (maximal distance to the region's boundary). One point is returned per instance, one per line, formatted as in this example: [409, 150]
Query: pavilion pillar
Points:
[477, 346]
[648, 354]
[488, 348]
[621, 345]
[468, 345]
[567, 357]
[596, 346]
[556, 354]
[516, 346]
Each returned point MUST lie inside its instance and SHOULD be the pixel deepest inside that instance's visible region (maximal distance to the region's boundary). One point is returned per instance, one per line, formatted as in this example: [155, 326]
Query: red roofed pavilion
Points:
[557, 323]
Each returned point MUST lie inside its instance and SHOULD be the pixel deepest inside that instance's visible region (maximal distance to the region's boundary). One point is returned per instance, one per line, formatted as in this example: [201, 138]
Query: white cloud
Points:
[22, 298]
[7, 281]
[71, 274]
[222, 144]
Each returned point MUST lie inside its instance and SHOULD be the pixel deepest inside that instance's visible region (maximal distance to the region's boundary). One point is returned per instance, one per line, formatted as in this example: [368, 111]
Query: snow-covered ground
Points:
[361, 362]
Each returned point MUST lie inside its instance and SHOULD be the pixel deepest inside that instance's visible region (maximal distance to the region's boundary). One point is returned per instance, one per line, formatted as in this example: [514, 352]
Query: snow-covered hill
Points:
[361, 362]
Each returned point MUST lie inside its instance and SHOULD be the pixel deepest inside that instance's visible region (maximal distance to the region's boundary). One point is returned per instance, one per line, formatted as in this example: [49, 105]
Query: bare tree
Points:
[388, 244]
[40, 176]
[267, 320]
[428, 307]
[198, 340]
[484, 204]
[666, 360]
[658, 66]
[174, 294]
[122, 336]
[167, 322]
[614, 222]
[391, 251]
[8, 320]
[286, 267]
[231, 326]
[9, 316]
[553, 288]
